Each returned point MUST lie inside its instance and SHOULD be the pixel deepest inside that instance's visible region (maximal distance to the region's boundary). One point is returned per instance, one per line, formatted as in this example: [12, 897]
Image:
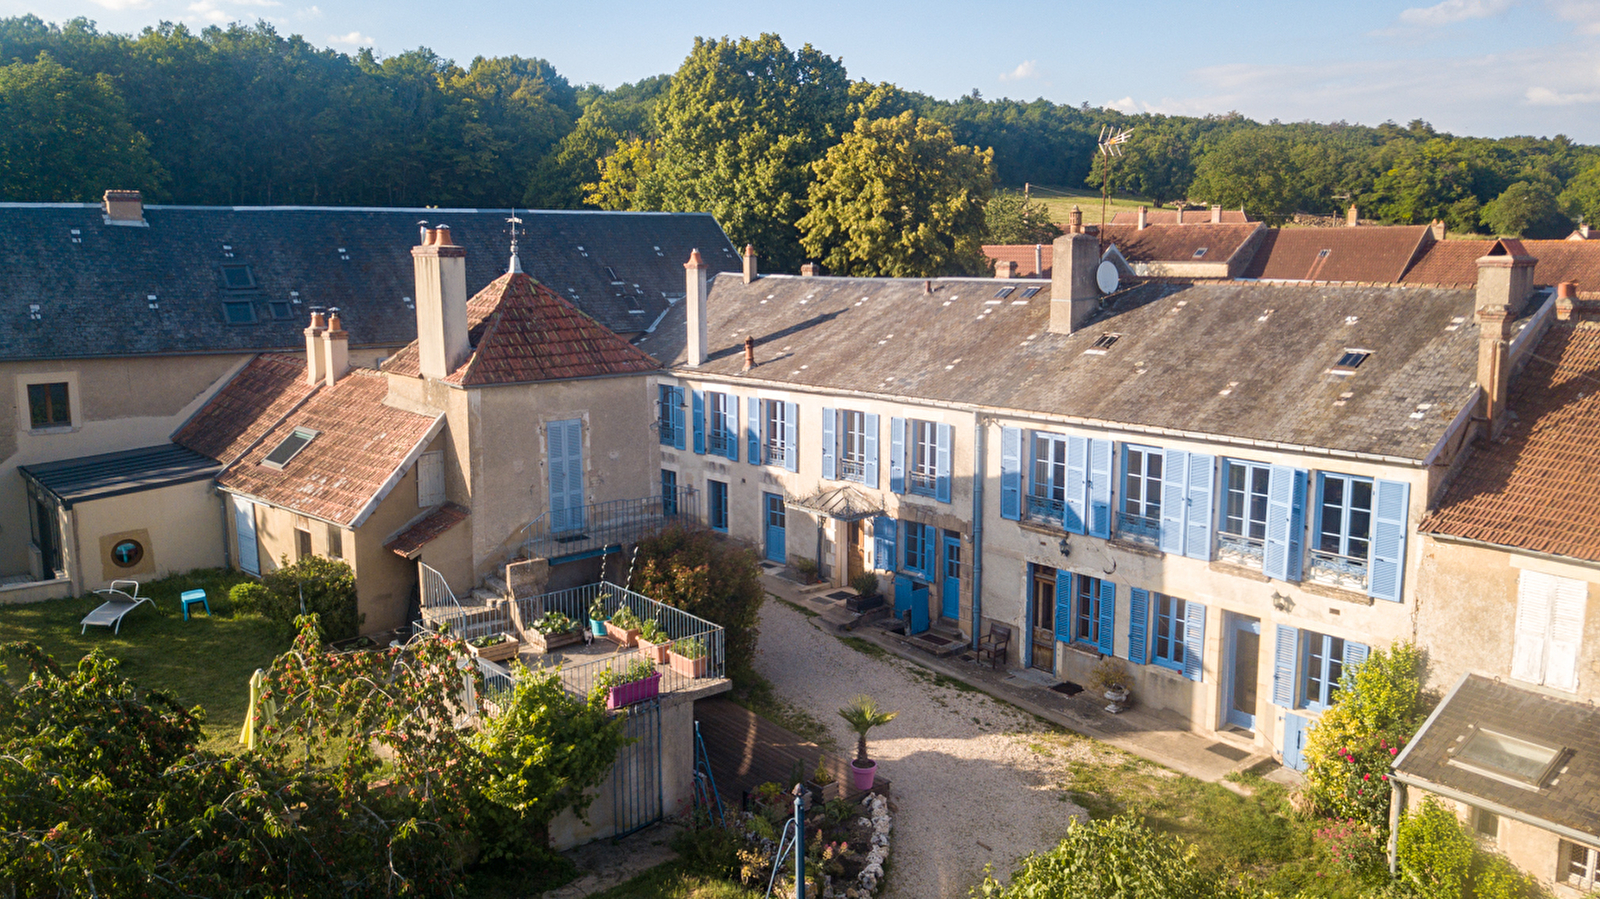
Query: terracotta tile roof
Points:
[1456, 262]
[1170, 217]
[1369, 253]
[1448, 263]
[410, 541]
[1539, 489]
[361, 448]
[1178, 243]
[1023, 255]
[254, 400]
[522, 331]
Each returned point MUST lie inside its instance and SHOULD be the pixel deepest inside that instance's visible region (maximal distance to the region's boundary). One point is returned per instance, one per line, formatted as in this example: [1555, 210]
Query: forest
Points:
[778, 142]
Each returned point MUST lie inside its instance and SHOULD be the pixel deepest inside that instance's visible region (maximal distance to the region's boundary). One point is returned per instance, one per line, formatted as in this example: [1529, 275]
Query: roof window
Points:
[1350, 360]
[289, 448]
[1102, 343]
[239, 313]
[613, 273]
[281, 310]
[1323, 254]
[1507, 759]
[1003, 292]
[237, 277]
[1028, 294]
[1200, 252]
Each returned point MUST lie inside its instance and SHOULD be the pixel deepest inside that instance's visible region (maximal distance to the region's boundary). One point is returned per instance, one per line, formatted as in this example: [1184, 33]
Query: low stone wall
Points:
[35, 591]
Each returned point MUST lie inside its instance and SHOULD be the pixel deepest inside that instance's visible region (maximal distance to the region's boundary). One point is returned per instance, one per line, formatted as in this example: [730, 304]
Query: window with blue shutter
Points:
[897, 455]
[1108, 618]
[1139, 515]
[679, 437]
[1354, 653]
[943, 436]
[918, 541]
[753, 431]
[1321, 666]
[1010, 473]
[1294, 742]
[699, 422]
[1341, 530]
[1174, 514]
[883, 542]
[1101, 474]
[1199, 515]
[830, 445]
[565, 463]
[1387, 569]
[1138, 624]
[1242, 537]
[1075, 485]
[1169, 643]
[1194, 640]
[921, 457]
[791, 436]
[668, 415]
[869, 450]
[1284, 656]
[730, 420]
[717, 505]
[1067, 627]
[1286, 511]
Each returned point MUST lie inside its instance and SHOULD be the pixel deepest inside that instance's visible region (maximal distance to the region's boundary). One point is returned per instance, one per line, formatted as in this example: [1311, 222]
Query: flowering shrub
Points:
[1351, 846]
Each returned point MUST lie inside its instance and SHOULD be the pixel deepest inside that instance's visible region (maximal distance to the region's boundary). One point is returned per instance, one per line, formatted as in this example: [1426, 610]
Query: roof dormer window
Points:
[289, 448]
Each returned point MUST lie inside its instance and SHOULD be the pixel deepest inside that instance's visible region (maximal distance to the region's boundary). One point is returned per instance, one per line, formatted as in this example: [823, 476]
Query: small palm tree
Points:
[863, 715]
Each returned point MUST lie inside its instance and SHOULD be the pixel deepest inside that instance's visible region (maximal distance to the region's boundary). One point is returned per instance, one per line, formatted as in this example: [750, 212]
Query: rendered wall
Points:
[180, 528]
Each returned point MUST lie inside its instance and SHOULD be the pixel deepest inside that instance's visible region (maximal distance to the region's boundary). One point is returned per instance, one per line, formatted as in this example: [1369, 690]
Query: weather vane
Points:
[516, 261]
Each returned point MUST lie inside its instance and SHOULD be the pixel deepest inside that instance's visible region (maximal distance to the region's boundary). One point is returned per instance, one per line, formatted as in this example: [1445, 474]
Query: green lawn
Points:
[1061, 200]
[673, 881]
[205, 661]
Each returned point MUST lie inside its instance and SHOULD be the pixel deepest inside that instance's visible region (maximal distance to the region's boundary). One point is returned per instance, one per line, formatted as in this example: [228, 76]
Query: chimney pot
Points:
[750, 263]
[1038, 260]
[1144, 217]
[123, 207]
[1177, 213]
[1075, 220]
[810, 270]
[749, 353]
[335, 350]
[694, 297]
[1005, 268]
[927, 288]
[1216, 215]
[1353, 217]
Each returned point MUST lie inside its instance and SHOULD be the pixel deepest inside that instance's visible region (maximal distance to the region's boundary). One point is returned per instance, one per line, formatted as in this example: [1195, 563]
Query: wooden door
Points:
[856, 552]
[1042, 612]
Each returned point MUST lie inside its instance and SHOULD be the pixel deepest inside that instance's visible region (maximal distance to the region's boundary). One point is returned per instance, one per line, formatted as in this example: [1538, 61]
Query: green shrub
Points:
[1433, 852]
[249, 598]
[328, 587]
[693, 570]
[865, 584]
[1378, 708]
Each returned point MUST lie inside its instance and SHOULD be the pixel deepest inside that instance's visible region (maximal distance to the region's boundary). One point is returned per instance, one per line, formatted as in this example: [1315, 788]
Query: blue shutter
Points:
[699, 421]
[677, 418]
[1386, 568]
[1354, 654]
[883, 542]
[1101, 474]
[1076, 489]
[930, 552]
[1011, 474]
[791, 436]
[1284, 658]
[1286, 512]
[1064, 616]
[730, 420]
[897, 455]
[1138, 624]
[1108, 617]
[1174, 500]
[942, 436]
[902, 595]
[869, 448]
[753, 433]
[1294, 742]
[1197, 530]
[830, 444]
[1194, 640]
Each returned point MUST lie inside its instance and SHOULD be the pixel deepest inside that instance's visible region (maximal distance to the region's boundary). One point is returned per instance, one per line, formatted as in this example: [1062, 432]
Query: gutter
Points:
[1507, 548]
[979, 464]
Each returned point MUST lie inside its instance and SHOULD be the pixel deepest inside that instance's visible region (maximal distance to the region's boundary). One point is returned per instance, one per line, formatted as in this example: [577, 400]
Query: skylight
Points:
[1200, 252]
[289, 448]
[1028, 294]
[1323, 254]
[1102, 343]
[237, 277]
[1506, 758]
[241, 313]
[1003, 292]
[1350, 360]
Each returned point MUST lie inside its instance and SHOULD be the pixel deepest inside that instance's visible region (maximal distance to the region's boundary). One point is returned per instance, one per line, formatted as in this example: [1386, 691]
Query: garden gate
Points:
[636, 788]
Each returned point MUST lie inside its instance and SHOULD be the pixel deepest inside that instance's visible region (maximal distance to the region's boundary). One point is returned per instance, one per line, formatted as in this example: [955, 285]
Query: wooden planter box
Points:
[505, 649]
[542, 643]
[623, 638]
[686, 666]
[654, 651]
[634, 691]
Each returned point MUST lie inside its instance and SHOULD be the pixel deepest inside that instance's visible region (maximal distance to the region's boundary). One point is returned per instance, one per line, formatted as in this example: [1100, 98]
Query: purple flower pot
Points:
[863, 776]
[634, 691]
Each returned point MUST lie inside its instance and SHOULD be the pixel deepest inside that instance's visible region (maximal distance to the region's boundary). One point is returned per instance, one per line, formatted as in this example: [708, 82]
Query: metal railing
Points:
[599, 526]
[1241, 550]
[437, 597]
[1043, 508]
[777, 453]
[498, 682]
[1140, 528]
[922, 481]
[1338, 570]
[719, 443]
[471, 624]
[853, 470]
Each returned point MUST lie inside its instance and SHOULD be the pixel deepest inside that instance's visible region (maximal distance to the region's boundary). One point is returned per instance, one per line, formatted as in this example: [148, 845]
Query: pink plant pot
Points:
[863, 777]
[635, 691]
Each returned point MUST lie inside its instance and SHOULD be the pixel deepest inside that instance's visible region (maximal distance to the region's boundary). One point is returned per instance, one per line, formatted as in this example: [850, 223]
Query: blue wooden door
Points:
[776, 522]
[919, 607]
[565, 459]
[1295, 729]
[951, 606]
[1244, 654]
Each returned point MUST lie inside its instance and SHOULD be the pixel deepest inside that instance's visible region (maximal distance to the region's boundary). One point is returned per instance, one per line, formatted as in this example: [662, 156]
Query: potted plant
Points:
[635, 683]
[654, 642]
[866, 586]
[805, 569]
[552, 631]
[823, 785]
[1110, 680]
[770, 795]
[863, 714]
[598, 616]
[688, 656]
[623, 627]
[494, 647]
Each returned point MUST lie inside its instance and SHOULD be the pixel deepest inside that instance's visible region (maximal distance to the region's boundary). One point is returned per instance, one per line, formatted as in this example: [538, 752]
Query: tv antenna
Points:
[1110, 143]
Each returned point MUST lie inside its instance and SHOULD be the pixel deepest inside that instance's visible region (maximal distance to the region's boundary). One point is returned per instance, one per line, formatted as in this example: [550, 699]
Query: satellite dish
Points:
[1106, 277]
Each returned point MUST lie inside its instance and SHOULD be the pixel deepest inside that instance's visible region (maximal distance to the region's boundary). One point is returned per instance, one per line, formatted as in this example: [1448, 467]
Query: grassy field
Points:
[1061, 200]
[673, 881]
[206, 661]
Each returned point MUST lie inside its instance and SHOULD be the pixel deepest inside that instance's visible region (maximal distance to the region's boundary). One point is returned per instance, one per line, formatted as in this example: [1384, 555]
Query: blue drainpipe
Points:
[979, 458]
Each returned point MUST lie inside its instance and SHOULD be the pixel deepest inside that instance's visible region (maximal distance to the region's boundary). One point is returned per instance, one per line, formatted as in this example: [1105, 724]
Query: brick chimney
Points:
[1144, 218]
[441, 270]
[1566, 300]
[810, 270]
[123, 207]
[1505, 280]
[1073, 291]
[1352, 218]
[316, 362]
[750, 264]
[1005, 268]
[1438, 229]
[694, 297]
[1216, 215]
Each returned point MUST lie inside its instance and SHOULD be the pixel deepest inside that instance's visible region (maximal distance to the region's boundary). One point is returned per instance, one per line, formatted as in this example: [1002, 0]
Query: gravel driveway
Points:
[968, 790]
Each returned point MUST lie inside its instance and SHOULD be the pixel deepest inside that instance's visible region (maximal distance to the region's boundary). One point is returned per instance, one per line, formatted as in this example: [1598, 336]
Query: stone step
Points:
[482, 597]
[497, 584]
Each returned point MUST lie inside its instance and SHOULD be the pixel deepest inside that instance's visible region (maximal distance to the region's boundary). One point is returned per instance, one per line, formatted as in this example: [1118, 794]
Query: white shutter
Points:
[1566, 633]
[1534, 590]
[430, 479]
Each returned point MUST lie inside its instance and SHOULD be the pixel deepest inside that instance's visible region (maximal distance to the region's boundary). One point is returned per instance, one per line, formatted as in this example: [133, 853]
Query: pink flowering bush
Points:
[1351, 846]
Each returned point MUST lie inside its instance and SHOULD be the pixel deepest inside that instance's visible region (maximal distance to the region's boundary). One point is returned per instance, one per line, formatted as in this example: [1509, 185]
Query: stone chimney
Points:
[123, 207]
[1505, 279]
[1216, 215]
[316, 362]
[750, 264]
[811, 270]
[441, 270]
[1144, 218]
[1073, 291]
[1177, 214]
[1075, 220]
[694, 297]
[1005, 268]
[1566, 300]
[1583, 230]
[1438, 229]
[1352, 218]
[335, 350]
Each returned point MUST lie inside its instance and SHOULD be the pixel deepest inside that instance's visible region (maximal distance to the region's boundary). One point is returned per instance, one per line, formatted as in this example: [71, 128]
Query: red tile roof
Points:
[522, 331]
[1178, 243]
[1023, 255]
[1367, 253]
[1539, 488]
[410, 541]
[361, 448]
[1170, 217]
[254, 400]
[1456, 262]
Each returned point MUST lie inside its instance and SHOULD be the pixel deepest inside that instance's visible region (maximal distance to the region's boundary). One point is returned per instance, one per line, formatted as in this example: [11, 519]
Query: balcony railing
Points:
[1241, 550]
[853, 470]
[777, 453]
[1331, 568]
[600, 526]
[1139, 528]
[719, 443]
[1043, 508]
[924, 482]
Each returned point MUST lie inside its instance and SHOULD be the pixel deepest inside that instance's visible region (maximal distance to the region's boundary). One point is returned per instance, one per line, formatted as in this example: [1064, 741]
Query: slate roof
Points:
[1170, 217]
[254, 400]
[1456, 262]
[92, 282]
[1367, 253]
[522, 331]
[114, 474]
[1178, 243]
[1570, 797]
[411, 539]
[1234, 359]
[361, 450]
[1539, 487]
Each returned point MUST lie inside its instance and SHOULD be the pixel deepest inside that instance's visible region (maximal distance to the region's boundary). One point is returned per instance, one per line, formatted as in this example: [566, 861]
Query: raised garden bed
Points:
[543, 643]
[505, 648]
[859, 604]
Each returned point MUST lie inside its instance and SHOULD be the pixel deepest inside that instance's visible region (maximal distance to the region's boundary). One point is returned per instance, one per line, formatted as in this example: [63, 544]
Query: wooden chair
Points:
[995, 644]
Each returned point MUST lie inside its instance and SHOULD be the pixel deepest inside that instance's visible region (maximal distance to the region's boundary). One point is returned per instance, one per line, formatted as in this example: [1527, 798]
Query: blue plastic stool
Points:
[192, 598]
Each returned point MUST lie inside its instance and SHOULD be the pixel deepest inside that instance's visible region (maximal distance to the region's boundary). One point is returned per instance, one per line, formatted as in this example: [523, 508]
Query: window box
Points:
[634, 691]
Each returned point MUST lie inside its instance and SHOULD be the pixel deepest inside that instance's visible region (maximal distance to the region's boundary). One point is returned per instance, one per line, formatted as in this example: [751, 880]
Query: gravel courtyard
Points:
[969, 792]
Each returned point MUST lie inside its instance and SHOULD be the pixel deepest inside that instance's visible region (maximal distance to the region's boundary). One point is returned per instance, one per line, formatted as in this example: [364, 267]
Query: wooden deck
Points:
[746, 750]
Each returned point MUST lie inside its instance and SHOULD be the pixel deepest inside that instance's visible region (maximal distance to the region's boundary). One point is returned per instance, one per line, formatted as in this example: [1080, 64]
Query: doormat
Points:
[770, 566]
[935, 639]
[841, 594]
[1068, 687]
[1231, 753]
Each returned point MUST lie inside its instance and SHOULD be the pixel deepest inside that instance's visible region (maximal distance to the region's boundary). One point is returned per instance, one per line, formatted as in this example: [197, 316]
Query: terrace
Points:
[600, 528]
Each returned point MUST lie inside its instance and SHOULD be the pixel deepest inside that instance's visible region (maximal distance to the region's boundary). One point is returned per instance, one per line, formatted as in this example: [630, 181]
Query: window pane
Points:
[1260, 477]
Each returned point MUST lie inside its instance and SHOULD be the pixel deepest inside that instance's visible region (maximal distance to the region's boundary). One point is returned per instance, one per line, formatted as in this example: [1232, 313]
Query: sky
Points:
[1489, 68]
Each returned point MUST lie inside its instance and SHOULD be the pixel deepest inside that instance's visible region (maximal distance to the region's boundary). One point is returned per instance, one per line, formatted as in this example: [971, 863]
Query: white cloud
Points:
[1028, 69]
[1544, 96]
[119, 5]
[1585, 13]
[213, 11]
[309, 12]
[1451, 11]
[353, 39]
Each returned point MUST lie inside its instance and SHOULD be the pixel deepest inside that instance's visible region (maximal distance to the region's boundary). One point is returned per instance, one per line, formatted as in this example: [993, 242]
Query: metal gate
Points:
[636, 789]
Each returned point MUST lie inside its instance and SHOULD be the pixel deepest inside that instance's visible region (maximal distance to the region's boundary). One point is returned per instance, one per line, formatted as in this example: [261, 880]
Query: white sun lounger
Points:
[121, 602]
